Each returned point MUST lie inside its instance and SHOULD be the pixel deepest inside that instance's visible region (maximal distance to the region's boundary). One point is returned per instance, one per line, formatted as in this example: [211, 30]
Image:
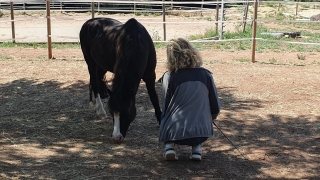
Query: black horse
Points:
[127, 51]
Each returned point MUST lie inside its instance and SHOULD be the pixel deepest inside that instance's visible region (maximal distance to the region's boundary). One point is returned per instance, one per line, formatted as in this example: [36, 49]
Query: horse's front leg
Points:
[116, 135]
[150, 84]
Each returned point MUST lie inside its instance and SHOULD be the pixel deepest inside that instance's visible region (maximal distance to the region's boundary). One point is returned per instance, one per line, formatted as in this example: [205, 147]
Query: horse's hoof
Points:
[103, 116]
[118, 139]
[92, 104]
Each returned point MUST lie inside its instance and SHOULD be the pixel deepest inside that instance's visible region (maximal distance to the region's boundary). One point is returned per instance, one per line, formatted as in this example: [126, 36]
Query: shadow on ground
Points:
[48, 131]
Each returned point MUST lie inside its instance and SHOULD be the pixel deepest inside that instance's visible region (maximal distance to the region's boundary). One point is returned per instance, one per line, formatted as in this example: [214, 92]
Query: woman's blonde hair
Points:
[181, 54]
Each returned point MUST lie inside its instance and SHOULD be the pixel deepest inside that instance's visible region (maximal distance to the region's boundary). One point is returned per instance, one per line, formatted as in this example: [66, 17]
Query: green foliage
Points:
[304, 0]
[268, 4]
[243, 60]
[299, 0]
[2, 58]
[155, 35]
[265, 42]
[66, 45]
[280, 16]
[160, 45]
[203, 45]
[42, 57]
[305, 6]
[24, 45]
[40, 45]
[272, 60]
[143, 13]
[301, 56]
[209, 33]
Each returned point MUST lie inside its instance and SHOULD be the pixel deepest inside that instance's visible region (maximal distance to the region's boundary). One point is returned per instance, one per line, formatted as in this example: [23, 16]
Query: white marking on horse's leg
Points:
[93, 102]
[116, 135]
[99, 108]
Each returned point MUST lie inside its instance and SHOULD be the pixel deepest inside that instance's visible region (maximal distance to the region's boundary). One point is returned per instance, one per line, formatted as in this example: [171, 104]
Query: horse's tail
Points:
[130, 65]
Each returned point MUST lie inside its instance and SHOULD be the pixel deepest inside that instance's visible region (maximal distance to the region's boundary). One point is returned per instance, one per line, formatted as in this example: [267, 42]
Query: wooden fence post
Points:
[12, 23]
[134, 7]
[222, 20]
[245, 16]
[92, 9]
[217, 16]
[254, 31]
[201, 6]
[164, 20]
[49, 29]
[297, 7]
[279, 6]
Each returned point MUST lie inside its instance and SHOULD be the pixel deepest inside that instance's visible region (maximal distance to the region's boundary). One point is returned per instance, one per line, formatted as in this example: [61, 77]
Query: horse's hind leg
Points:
[150, 84]
[94, 87]
[98, 107]
[102, 93]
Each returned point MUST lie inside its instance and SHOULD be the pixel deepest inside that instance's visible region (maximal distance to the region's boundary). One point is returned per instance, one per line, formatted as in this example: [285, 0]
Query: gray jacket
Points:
[189, 104]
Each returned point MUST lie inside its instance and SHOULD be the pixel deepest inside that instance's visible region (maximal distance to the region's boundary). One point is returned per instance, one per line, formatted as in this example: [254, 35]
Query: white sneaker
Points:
[196, 153]
[170, 153]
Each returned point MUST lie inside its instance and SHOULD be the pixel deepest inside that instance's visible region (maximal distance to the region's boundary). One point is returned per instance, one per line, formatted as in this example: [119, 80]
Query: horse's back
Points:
[93, 28]
[97, 39]
[136, 60]
[100, 38]
[143, 44]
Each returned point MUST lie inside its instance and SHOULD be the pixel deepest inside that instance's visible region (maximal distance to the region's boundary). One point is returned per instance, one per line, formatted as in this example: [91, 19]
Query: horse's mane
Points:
[127, 70]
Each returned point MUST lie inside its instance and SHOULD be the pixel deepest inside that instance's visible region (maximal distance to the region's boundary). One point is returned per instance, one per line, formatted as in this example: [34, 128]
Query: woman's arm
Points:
[213, 99]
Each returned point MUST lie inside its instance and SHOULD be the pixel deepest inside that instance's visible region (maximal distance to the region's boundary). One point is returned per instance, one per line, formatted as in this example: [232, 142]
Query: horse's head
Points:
[122, 119]
[126, 120]
[121, 123]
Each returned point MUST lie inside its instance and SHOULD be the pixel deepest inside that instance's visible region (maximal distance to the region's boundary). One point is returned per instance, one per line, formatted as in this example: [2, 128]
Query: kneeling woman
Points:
[189, 100]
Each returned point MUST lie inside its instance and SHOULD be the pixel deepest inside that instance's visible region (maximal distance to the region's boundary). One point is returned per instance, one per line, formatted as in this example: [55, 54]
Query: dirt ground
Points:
[48, 131]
